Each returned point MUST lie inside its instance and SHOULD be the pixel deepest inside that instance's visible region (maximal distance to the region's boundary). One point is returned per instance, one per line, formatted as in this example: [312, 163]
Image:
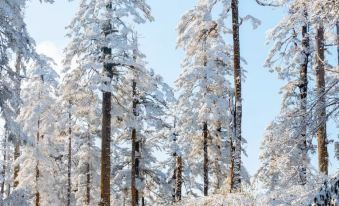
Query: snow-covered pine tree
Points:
[38, 95]
[100, 38]
[141, 128]
[79, 102]
[203, 101]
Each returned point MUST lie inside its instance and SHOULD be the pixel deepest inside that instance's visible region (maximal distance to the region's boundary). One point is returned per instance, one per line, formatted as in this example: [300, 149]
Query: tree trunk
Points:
[178, 177]
[69, 166]
[3, 172]
[218, 159]
[37, 171]
[88, 184]
[88, 172]
[106, 123]
[17, 142]
[337, 25]
[321, 103]
[135, 153]
[205, 133]
[303, 104]
[236, 154]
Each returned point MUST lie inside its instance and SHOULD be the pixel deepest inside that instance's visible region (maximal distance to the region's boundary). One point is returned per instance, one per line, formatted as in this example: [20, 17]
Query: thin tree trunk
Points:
[88, 183]
[69, 166]
[218, 159]
[106, 123]
[178, 177]
[135, 153]
[37, 171]
[206, 183]
[236, 154]
[17, 142]
[321, 107]
[3, 172]
[337, 25]
[303, 104]
[88, 173]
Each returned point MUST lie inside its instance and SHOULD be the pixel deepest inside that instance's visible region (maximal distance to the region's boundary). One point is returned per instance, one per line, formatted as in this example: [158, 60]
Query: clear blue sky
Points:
[46, 23]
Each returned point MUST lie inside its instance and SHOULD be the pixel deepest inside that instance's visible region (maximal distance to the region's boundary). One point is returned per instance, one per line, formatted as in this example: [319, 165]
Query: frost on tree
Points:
[204, 99]
[100, 35]
[36, 119]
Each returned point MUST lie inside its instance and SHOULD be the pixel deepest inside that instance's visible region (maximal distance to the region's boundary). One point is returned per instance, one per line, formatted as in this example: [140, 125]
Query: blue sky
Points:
[261, 101]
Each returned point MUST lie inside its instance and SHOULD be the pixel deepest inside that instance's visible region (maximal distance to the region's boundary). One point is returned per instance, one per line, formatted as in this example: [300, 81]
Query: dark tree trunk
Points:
[178, 177]
[236, 154]
[106, 123]
[303, 103]
[88, 184]
[37, 171]
[135, 150]
[206, 183]
[321, 103]
[218, 159]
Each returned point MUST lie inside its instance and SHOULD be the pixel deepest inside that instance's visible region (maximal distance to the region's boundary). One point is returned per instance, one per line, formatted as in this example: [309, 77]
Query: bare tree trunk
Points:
[3, 172]
[303, 103]
[135, 153]
[236, 154]
[218, 159]
[69, 166]
[321, 103]
[178, 177]
[37, 171]
[206, 183]
[106, 124]
[88, 173]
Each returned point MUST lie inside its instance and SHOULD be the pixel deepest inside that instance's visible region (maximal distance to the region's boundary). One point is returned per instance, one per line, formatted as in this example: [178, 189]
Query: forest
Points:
[106, 129]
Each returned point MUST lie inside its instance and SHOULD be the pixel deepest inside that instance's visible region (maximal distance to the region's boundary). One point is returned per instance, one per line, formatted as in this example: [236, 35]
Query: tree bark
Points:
[236, 154]
[218, 159]
[321, 103]
[88, 184]
[135, 153]
[303, 104]
[106, 123]
[17, 142]
[88, 172]
[69, 166]
[206, 182]
[37, 171]
[3, 172]
[178, 178]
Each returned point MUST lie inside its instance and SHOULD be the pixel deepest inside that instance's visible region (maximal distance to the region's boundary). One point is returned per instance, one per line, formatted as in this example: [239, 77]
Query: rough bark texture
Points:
[321, 103]
[206, 183]
[106, 124]
[178, 178]
[88, 184]
[236, 154]
[303, 104]
[217, 161]
[135, 153]
[37, 171]
[69, 165]
[88, 173]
